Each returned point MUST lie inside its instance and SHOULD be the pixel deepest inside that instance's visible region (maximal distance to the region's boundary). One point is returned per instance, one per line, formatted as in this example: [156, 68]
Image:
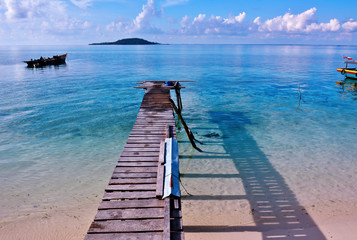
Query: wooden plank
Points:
[130, 214]
[134, 175]
[135, 170]
[144, 141]
[131, 180]
[161, 135]
[113, 226]
[131, 187]
[143, 203]
[145, 137]
[125, 236]
[136, 164]
[167, 225]
[139, 159]
[139, 126]
[142, 149]
[160, 171]
[154, 146]
[162, 152]
[138, 154]
[160, 181]
[140, 134]
[128, 195]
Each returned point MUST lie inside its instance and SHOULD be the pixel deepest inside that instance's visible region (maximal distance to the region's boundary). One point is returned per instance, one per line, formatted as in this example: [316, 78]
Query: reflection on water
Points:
[347, 86]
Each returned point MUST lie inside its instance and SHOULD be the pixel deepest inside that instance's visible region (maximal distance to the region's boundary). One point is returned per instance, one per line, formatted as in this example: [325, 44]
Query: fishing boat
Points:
[347, 71]
[41, 62]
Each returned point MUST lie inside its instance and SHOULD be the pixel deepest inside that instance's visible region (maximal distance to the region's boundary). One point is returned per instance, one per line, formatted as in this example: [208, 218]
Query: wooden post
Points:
[187, 129]
[167, 220]
[160, 171]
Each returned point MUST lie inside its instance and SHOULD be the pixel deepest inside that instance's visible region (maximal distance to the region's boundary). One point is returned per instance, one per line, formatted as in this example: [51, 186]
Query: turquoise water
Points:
[62, 128]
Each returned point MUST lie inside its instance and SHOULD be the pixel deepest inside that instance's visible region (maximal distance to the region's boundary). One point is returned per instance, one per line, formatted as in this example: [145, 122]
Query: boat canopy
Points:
[351, 62]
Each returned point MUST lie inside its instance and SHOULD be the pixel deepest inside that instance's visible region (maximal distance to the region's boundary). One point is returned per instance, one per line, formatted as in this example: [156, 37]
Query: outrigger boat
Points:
[349, 72]
[41, 62]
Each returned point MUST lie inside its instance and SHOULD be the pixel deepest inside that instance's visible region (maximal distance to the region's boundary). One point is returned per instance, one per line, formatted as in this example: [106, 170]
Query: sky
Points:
[53, 22]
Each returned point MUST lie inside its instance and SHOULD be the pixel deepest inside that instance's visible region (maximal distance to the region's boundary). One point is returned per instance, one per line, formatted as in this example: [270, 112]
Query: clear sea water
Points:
[63, 128]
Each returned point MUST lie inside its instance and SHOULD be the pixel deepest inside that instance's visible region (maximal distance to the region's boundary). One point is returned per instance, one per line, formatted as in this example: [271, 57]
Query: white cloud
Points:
[332, 26]
[289, 23]
[23, 9]
[143, 19]
[40, 20]
[142, 22]
[302, 23]
[214, 25]
[350, 25]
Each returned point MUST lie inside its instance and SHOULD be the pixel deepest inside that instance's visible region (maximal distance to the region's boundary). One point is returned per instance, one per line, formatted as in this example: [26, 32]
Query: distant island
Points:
[128, 41]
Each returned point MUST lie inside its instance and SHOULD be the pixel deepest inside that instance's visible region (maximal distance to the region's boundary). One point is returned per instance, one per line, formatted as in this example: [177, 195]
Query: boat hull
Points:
[348, 73]
[55, 60]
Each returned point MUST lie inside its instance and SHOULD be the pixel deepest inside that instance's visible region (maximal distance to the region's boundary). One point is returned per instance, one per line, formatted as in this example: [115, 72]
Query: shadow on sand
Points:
[276, 212]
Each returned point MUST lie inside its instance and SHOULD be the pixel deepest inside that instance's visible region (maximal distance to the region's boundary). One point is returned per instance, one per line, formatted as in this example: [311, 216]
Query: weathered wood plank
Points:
[134, 175]
[113, 226]
[160, 180]
[130, 214]
[139, 159]
[131, 180]
[144, 141]
[138, 154]
[162, 152]
[136, 164]
[135, 169]
[167, 224]
[125, 236]
[145, 137]
[160, 171]
[142, 149]
[144, 203]
[128, 195]
[154, 146]
[131, 187]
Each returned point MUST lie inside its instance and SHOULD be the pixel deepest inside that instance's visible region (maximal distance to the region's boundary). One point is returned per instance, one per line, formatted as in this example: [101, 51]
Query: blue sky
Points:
[178, 21]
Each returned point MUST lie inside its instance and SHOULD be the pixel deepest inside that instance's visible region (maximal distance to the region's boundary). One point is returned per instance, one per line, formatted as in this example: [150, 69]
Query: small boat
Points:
[349, 72]
[41, 62]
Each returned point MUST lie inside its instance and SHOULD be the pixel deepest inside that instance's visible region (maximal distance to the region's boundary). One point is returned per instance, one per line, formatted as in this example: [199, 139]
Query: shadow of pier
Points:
[275, 209]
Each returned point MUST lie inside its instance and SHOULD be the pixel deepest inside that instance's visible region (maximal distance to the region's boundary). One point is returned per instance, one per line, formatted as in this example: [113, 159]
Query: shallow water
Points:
[62, 128]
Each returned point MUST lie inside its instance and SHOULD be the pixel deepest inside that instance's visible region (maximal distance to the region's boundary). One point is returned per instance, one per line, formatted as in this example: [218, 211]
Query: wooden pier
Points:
[132, 205]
